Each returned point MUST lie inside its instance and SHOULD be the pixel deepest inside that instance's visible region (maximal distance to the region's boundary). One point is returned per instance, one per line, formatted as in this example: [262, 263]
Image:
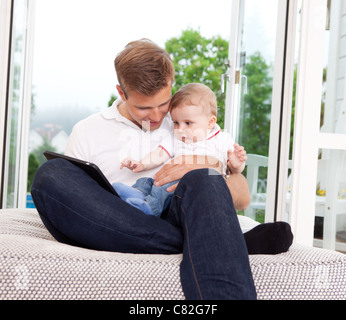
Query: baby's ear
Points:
[212, 121]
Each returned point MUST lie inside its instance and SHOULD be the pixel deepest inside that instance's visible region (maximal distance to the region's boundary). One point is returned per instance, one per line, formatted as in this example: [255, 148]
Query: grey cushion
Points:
[35, 266]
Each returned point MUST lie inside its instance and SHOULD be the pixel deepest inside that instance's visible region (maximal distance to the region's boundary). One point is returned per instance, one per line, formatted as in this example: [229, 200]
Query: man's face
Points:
[147, 112]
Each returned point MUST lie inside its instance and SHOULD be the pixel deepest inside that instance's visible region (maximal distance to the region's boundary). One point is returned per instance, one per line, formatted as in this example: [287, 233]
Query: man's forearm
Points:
[240, 192]
[179, 166]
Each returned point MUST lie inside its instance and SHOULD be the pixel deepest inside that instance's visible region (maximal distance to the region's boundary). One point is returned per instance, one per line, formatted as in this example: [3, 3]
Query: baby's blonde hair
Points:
[196, 94]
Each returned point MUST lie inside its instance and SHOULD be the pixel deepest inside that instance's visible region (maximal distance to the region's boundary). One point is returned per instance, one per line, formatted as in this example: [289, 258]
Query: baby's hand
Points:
[135, 166]
[236, 158]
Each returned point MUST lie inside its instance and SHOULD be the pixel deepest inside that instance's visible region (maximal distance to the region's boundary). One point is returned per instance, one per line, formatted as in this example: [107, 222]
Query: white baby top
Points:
[216, 144]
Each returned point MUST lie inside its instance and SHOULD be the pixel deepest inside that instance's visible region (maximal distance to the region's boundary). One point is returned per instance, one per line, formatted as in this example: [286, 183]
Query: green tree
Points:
[198, 59]
[112, 99]
[34, 164]
[255, 113]
[43, 147]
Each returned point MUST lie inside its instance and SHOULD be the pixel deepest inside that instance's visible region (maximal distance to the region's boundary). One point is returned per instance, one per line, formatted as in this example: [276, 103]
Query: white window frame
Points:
[278, 160]
[7, 7]
[307, 136]
[5, 33]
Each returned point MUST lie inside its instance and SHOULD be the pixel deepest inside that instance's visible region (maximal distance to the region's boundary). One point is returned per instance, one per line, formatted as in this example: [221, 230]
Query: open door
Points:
[259, 97]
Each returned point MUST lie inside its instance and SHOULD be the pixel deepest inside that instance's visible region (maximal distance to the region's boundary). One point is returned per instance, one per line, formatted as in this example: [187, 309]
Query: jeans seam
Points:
[190, 257]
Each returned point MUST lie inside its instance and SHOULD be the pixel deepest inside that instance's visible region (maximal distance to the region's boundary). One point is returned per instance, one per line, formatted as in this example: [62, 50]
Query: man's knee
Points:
[206, 173]
[48, 173]
[200, 178]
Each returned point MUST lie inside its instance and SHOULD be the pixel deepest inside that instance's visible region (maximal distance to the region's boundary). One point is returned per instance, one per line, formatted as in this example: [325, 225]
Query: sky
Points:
[76, 41]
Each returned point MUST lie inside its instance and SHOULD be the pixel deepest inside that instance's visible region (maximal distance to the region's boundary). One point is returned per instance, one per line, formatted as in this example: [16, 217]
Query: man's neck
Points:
[123, 111]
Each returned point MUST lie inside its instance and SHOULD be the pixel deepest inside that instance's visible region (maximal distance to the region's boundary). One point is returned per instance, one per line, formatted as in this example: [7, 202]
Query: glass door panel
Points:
[16, 99]
[252, 58]
[330, 214]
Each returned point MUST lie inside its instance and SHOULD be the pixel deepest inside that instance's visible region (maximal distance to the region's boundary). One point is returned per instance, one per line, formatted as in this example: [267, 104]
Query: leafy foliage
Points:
[203, 60]
[34, 164]
[256, 106]
[198, 59]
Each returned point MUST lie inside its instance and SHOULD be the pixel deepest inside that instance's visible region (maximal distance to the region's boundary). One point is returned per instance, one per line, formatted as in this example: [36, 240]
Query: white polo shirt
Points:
[106, 138]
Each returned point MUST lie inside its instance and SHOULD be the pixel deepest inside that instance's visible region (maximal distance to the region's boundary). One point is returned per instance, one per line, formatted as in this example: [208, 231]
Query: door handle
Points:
[245, 83]
[224, 78]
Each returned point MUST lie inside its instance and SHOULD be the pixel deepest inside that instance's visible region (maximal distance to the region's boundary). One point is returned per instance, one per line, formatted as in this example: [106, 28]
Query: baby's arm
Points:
[130, 164]
[150, 161]
[236, 159]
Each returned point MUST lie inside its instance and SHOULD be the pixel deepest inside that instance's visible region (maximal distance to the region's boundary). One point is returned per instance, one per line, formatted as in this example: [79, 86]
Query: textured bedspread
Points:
[35, 266]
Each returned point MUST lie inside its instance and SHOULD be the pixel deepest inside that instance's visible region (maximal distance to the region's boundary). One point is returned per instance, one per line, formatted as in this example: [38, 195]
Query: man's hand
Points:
[181, 165]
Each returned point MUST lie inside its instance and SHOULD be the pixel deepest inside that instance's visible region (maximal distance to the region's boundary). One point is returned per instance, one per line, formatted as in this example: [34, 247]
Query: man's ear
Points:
[212, 121]
[121, 93]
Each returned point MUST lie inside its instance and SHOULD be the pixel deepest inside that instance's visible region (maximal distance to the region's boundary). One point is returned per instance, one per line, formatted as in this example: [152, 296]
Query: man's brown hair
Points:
[143, 67]
[196, 94]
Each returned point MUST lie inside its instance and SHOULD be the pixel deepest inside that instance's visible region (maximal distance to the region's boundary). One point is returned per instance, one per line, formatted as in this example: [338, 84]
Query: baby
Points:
[193, 110]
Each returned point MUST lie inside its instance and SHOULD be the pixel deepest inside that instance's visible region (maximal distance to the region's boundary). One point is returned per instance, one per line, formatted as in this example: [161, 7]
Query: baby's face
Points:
[191, 123]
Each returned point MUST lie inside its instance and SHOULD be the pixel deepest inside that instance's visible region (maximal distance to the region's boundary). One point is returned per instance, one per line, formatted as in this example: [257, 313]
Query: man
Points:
[201, 221]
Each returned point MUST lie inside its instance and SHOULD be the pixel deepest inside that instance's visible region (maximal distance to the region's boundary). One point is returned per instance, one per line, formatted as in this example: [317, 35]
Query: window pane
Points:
[256, 71]
[75, 46]
[330, 221]
[15, 107]
[333, 111]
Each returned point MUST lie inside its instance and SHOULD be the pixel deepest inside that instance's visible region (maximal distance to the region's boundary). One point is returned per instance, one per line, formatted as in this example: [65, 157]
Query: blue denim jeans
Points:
[201, 223]
[157, 197]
